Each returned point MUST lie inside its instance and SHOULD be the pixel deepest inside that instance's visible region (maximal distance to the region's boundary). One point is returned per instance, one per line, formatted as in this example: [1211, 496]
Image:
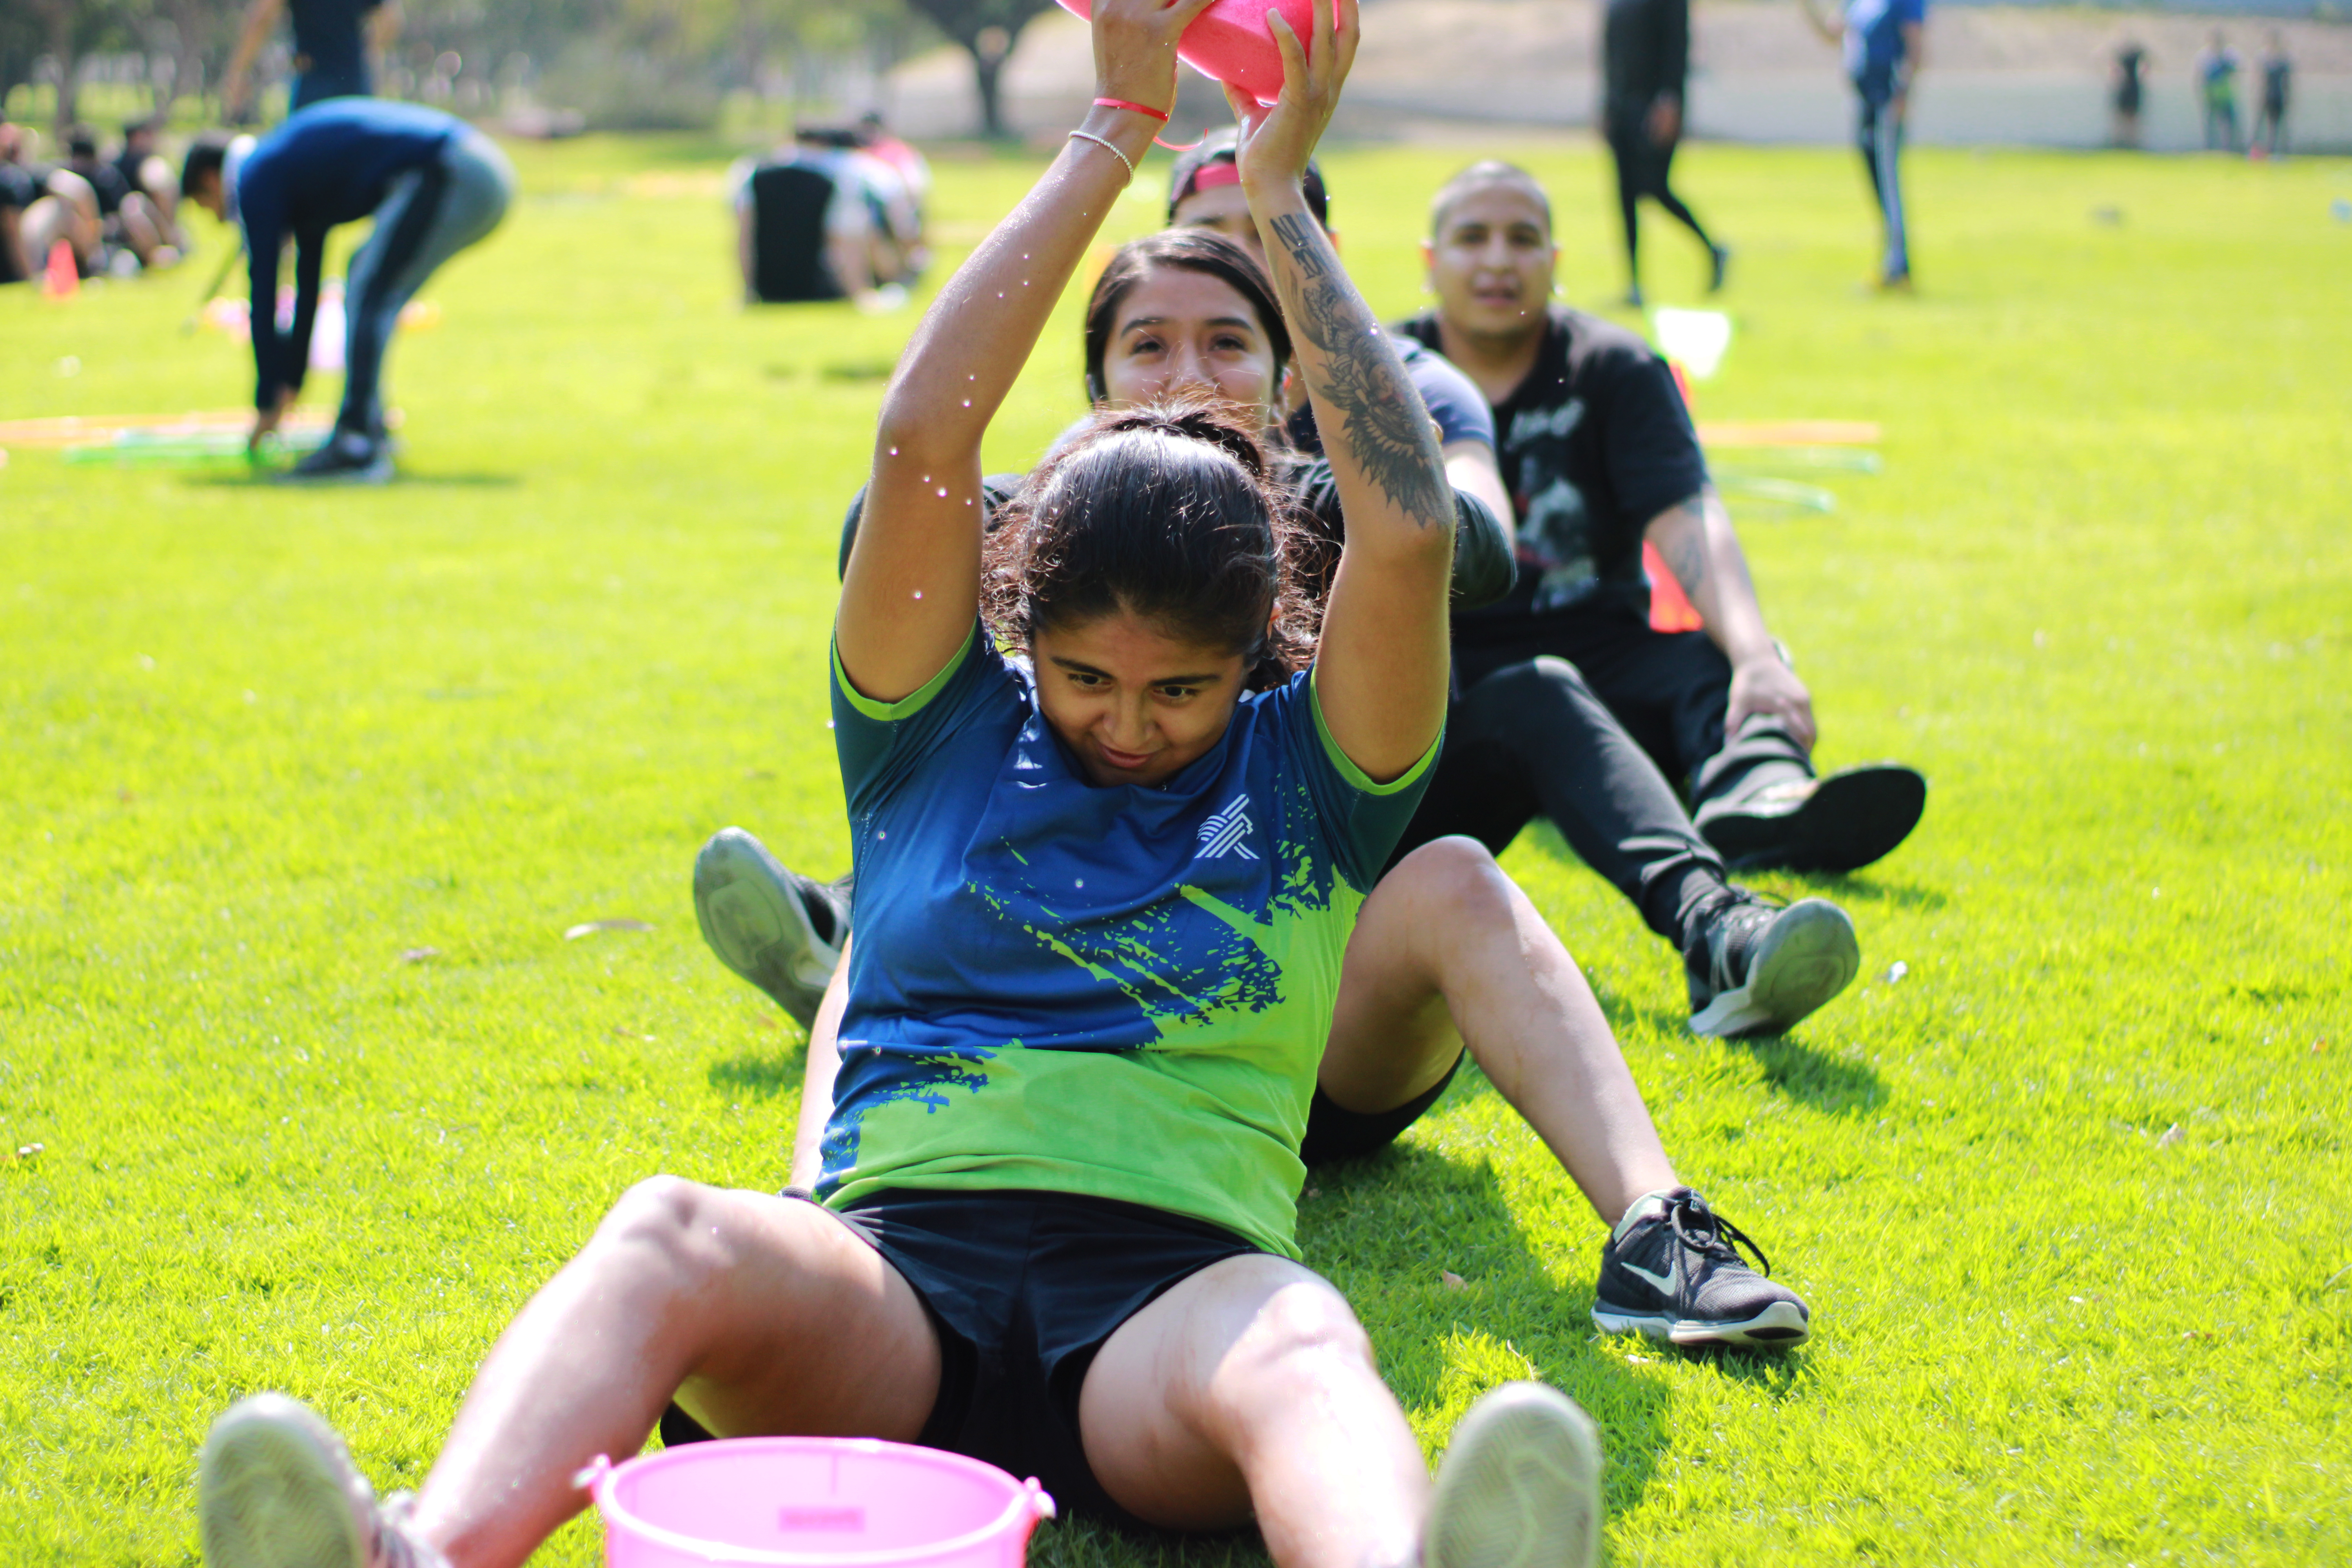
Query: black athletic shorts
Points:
[1335, 1132]
[1023, 1288]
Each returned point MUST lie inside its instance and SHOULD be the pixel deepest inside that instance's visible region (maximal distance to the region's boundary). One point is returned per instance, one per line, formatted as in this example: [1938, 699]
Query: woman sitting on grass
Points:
[1447, 955]
[1081, 1046]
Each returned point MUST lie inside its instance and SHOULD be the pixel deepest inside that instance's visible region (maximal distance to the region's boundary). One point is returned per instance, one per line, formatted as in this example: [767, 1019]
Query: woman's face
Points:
[1178, 328]
[1133, 703]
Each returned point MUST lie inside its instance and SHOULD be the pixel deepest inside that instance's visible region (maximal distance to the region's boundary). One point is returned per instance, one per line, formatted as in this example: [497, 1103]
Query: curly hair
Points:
[1171, 512]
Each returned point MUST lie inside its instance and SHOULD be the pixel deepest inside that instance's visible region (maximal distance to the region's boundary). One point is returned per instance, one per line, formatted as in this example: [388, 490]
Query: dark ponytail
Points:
[1169, 512]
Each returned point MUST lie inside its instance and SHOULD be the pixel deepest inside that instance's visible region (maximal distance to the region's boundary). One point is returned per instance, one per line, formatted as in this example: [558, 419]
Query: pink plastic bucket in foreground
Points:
[803, 1502]
[1232, 42]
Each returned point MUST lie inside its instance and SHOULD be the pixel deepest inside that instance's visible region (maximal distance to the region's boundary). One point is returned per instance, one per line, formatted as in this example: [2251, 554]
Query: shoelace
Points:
[1720, 1238]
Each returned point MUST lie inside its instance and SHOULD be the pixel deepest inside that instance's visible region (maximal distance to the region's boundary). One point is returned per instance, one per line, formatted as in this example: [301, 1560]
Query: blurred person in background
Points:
[46, 204]
[431, 184]
[129, 229]
[2278, 77]
[1883, 41]
[2131, 91]
[2216, 87]
[149, 172]
[873, 139]
[823, 221]
[1645, 56]
[336, 43]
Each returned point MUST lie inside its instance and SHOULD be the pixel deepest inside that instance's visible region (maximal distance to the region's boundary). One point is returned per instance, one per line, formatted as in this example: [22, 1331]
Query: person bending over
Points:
[1204, 191]
[1883, 42]
[432, 184]
[1451, 954]
[1645, 65]
[1111, 885]
[1570, 704]
[336, 43]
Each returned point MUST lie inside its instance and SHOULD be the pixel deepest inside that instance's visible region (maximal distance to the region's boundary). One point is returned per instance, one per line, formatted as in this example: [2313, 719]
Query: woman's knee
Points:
[666, 1223]
[1303, 1335]
[1454, 879]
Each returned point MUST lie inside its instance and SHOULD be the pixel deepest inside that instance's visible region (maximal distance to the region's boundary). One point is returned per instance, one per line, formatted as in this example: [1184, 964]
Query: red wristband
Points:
[1139, 108]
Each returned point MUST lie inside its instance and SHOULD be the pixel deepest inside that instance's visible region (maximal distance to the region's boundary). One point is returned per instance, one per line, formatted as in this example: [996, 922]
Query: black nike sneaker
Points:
[349, 457]
[1838, 822]
[1755, 969]
[1672, 1270]
[777, 929]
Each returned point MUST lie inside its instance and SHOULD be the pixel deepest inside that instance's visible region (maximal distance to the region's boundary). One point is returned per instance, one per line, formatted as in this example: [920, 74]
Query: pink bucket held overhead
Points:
[812, 1503]
[1232, 42]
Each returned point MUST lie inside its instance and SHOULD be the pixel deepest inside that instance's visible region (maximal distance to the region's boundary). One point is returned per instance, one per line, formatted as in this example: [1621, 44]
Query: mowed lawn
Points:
[2064, 1175]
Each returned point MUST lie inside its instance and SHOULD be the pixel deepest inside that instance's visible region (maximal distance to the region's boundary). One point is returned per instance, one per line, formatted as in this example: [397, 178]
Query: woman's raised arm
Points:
[1381, 673]
[909, 596]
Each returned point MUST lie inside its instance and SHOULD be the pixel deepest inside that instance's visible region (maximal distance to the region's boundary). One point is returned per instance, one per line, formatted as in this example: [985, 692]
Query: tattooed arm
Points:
[1381, 672]
[1696, 537]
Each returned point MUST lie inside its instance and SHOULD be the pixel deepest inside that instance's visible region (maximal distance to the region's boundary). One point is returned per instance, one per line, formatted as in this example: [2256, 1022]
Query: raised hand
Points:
[1276, 143]
[1135, 48]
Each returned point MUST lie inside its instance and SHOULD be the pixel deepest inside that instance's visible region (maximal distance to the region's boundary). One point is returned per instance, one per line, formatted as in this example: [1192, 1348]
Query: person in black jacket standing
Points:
[1645, 57]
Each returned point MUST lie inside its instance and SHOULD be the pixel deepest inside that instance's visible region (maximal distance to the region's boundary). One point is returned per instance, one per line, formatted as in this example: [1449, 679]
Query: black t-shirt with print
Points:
[1594, 443]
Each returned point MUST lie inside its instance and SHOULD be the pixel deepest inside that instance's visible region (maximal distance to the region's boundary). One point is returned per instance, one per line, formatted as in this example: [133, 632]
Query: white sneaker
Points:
[277, 1489]
[1521, 1485]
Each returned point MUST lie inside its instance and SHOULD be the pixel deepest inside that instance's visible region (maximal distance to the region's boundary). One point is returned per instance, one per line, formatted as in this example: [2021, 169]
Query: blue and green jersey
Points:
[1115, 990]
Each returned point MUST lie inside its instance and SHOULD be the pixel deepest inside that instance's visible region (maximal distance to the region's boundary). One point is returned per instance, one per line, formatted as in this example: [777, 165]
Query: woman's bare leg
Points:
[1447, 952]
[761, 1314]
[1250, 1388]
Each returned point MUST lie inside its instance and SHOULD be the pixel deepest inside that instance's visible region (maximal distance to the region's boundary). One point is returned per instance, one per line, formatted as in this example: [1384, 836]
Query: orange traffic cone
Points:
[63, 278]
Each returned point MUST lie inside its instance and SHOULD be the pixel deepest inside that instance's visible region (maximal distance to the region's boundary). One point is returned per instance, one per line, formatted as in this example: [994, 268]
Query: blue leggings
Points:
[430, 214]
[1878, 127]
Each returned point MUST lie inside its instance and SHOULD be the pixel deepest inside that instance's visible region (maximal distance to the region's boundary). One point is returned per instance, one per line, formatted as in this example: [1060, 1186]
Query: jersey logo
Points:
[1222, 834]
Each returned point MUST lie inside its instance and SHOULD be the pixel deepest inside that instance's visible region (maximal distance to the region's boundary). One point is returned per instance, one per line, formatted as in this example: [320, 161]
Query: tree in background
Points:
[988, 30]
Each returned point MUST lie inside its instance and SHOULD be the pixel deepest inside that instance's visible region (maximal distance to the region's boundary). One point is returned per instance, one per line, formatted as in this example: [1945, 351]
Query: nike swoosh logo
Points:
[1658, 1281]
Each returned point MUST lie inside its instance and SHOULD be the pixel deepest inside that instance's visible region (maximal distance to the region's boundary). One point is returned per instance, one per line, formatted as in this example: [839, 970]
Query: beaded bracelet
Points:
[1090, 136]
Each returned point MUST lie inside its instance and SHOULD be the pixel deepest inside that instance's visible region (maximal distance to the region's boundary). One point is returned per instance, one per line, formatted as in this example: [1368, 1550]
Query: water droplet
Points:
[882, 833]
[943, 492]
[967, 402]
[918, 592]
[1082, 882]
[894, 451]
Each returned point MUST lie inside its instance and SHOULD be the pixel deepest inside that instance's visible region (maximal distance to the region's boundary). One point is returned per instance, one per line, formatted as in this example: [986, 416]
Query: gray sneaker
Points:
[777, 929]
[1755, 969]
[277, 1489]
[1519, 1486]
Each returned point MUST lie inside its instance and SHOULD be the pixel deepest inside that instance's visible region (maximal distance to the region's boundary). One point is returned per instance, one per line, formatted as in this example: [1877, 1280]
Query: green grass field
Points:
[259, 744]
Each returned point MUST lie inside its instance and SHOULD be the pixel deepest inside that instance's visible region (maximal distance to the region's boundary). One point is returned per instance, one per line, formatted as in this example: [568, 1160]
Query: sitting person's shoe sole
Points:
[754, 914]
[1837, 822]
[276, 1488]
[1519, 1487]
[1807, 957]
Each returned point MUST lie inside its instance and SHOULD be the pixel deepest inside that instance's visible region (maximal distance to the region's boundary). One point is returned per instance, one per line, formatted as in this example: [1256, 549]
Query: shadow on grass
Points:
[404, 480]
[1836, 1086]
[762, 1074]
[1867, 891]
[1386, 1230]
[1833, 1085]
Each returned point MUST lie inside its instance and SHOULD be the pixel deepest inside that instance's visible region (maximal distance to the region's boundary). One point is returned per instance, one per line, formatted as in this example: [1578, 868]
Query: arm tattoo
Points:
[1387, 431]
[1686, 556]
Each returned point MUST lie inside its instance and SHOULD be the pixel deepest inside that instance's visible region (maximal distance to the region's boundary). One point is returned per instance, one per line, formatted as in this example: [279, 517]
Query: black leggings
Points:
[1643, 168]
